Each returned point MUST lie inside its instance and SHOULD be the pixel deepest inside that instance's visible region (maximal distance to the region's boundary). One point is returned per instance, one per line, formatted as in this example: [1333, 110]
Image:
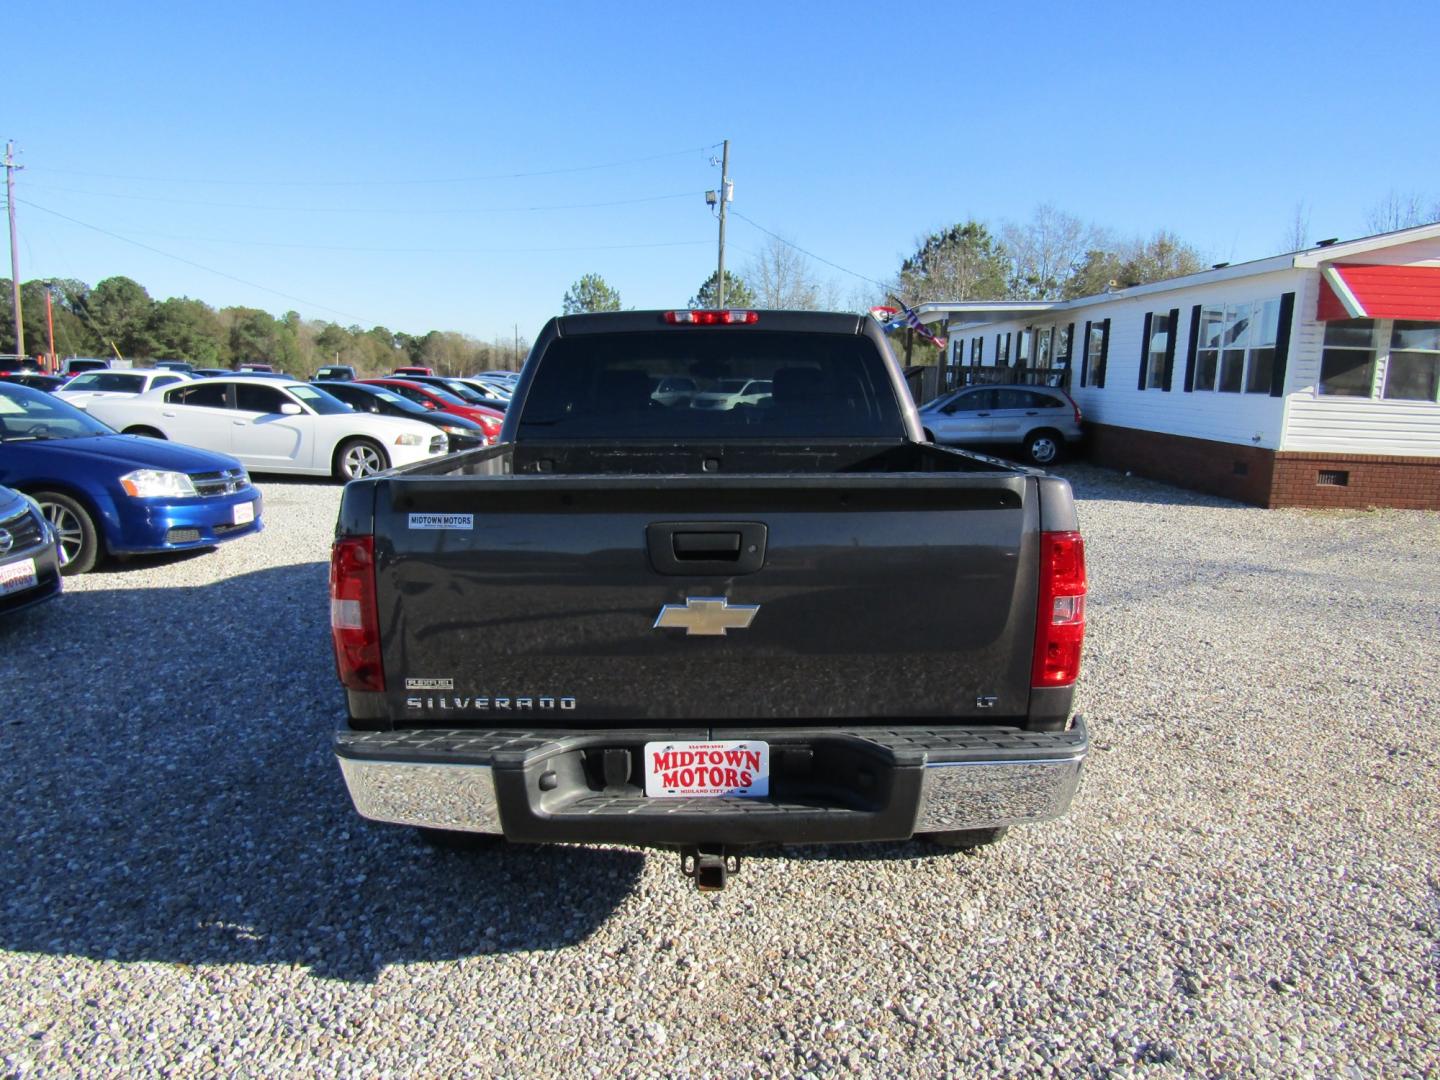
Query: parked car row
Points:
[273, 425]
[108, 461]
[433, 395]
[104, 494]
[464, 434]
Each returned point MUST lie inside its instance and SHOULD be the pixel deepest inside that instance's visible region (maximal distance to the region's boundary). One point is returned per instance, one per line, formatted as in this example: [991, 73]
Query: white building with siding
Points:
[1305, 379]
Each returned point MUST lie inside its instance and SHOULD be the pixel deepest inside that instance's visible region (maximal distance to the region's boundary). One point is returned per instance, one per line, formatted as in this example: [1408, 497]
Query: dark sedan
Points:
[476, 393]
[48, 383]
[464, 434]
[104, 492]
[29, 554]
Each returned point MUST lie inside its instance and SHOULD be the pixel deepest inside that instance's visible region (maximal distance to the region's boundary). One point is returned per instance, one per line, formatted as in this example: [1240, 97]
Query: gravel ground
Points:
[1249, 882]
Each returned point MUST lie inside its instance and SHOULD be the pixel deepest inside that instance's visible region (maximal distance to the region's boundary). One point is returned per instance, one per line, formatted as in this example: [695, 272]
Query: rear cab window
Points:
[796, 385]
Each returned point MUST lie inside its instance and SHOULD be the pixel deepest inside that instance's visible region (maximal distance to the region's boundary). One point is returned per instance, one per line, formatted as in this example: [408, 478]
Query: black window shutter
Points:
[997, 348]
[979, 350]
[1104, 352]
[1145, 350]
[1282, 344]
[1170, 350]
[1009, 357]
[1194, 344]
[1085, 356]
[1070, 347]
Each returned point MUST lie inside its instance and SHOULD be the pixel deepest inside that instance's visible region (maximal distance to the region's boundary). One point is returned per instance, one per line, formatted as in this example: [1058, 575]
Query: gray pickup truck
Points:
[787, 619]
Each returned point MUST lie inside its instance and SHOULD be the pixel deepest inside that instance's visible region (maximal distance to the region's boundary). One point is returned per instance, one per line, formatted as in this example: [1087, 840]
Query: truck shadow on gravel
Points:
[170, 796]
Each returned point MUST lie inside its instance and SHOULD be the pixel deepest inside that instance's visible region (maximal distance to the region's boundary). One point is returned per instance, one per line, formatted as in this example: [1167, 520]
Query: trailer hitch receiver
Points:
[709, 865]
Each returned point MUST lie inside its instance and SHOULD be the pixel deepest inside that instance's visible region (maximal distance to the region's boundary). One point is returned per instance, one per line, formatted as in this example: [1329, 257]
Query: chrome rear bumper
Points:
[991, 779]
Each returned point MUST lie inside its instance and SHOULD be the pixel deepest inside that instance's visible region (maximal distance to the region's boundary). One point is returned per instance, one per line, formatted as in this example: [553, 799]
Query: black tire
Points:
[452, 840]
[79, 540]
[148, 432]
[1044, 447]
[967, 839]
[358, 458]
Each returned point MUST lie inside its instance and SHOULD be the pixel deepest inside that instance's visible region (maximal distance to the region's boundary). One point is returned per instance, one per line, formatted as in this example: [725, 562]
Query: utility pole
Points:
[724, 198]
[53, 362]
[10, 168]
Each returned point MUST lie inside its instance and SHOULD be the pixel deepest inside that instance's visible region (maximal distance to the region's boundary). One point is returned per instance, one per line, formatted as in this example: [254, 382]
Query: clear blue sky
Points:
[333, 152]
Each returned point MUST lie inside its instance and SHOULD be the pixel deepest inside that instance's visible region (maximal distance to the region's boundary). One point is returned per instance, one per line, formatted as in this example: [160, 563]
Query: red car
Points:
[403, 371]
[433, 397]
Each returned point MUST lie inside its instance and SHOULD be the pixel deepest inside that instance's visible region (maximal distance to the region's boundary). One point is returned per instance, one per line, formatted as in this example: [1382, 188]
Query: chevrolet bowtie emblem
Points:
[708, 615]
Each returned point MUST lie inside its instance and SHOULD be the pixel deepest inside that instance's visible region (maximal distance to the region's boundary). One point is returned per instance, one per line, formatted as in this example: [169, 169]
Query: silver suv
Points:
[1039, 418]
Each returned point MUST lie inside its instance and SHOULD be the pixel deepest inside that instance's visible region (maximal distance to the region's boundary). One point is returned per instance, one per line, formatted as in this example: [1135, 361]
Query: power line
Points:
[372, 209]
[191, 262]
[389, 182]
[423, 250]
[811, 254]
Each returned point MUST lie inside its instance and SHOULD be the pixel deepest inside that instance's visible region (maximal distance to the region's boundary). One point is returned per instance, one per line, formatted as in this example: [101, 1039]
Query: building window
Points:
[1002, 349]
[1022, 348]
[1347, 367]
[1044, 340]
[1236, 347]
[1412, 370]
[1155, 349]
[977, 351]
[1095, 357]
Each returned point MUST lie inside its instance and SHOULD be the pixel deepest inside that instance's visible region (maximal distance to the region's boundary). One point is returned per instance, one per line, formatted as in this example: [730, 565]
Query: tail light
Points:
[354, 617]
[711, 318]
[1060, 615]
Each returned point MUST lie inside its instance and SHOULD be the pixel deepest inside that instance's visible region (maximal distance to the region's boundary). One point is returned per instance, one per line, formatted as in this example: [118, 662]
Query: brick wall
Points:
[1260, 477]
[1410, 483]
[1242, 473]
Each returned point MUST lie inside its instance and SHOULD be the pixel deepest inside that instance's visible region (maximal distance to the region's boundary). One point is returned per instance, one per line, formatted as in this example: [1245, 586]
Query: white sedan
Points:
[107, 383]
[274, 426]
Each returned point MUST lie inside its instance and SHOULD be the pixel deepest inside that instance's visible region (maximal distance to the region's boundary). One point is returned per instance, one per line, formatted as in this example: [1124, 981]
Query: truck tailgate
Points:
[575, 600]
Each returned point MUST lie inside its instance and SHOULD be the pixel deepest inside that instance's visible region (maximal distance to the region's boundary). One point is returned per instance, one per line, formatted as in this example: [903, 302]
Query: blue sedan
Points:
[106, 493]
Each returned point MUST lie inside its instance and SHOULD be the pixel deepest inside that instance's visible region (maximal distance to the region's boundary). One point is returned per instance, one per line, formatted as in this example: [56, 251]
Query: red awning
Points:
[1379, 292]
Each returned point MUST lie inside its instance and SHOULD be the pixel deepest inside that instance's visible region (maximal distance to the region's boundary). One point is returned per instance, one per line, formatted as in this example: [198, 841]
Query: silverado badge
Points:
[705, 615]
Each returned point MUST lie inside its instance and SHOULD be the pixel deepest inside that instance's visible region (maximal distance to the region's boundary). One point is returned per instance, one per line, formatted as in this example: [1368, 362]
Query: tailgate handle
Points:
[706, 547]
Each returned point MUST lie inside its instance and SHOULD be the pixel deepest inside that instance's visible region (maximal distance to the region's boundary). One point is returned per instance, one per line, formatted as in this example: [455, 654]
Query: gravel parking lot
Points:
[1249, 882]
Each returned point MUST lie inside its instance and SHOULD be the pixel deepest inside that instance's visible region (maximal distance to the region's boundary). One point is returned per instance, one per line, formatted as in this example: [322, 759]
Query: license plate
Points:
[675, 770]
[244, 513]
[17, 577]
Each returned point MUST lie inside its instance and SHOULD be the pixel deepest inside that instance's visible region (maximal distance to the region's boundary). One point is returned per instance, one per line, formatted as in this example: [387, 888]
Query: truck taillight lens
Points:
[1060, 616]
[354, 618]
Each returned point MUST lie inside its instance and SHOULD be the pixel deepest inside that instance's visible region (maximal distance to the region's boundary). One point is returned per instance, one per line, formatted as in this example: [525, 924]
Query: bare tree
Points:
[1045, 251]
[1400, 210]
[782, 278]
[1297, 233]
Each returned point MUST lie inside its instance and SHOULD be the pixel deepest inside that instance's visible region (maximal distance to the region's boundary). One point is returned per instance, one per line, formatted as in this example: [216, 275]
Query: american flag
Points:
[912, 320]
